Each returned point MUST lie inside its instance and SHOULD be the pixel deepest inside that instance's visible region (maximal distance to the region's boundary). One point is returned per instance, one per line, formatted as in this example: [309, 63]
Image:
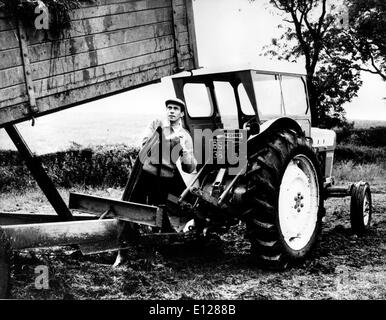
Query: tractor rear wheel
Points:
[284, 204]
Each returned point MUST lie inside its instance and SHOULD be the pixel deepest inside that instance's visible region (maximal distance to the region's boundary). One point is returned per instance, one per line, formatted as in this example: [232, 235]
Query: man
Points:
[174, 132]
[160, 168]
[160, 175]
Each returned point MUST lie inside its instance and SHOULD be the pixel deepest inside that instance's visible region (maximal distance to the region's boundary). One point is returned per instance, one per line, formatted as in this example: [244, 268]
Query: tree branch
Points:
[378, 70]
[326, 28]
[318, 36]
[312, 31]
[307, 10]
[323, 15]
[277, 6]
[357, 67]
[301, 39]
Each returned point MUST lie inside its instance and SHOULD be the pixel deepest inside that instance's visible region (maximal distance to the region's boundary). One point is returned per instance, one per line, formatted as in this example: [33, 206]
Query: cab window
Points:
[226, 102]
[198, 101]
[245, 102]
[268, 95]
[294, 95]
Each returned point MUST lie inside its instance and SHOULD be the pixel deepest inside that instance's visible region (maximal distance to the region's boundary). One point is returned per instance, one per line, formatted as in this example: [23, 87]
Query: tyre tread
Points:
[261, 212]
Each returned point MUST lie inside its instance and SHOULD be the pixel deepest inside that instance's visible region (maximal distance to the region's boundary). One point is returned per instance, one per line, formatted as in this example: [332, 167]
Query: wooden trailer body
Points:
[112, 46]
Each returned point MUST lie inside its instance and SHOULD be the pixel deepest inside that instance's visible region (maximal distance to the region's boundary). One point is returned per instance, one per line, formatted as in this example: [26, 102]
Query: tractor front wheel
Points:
[360, 208]
[284, 201]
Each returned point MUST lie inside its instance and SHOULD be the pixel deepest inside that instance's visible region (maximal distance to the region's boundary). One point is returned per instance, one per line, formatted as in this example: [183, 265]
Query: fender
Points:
[274, 124]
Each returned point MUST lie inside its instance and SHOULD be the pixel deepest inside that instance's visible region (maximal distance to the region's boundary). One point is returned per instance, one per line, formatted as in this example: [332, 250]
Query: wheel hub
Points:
[298, 202]
[366, 211]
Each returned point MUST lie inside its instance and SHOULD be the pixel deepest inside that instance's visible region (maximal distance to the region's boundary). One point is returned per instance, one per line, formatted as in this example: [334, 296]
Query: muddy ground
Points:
[343, 266]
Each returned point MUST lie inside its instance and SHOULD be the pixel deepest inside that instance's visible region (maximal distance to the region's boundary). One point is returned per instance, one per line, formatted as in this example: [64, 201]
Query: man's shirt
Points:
[179, 135]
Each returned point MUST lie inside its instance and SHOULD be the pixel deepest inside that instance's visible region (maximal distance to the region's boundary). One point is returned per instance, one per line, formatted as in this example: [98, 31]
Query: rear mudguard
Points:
[275, 124]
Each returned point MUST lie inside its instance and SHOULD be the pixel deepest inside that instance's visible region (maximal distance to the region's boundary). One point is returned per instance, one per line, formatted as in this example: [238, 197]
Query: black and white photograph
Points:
[201, 151]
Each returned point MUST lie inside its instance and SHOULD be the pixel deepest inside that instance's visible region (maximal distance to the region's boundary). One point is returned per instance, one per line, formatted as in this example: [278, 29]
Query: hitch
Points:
[341, 191]
[338, 192]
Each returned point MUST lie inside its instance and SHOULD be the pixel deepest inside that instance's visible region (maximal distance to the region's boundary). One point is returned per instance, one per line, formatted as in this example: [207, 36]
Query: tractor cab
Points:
[243, 99]
[236, 105]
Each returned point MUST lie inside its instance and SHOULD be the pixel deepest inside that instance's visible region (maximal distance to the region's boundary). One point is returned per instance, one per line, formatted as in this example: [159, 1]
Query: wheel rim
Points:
[366, 209]
[298, 202]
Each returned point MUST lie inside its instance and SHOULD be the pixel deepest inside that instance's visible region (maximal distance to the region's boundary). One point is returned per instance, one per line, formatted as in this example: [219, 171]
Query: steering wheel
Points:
[252, 126]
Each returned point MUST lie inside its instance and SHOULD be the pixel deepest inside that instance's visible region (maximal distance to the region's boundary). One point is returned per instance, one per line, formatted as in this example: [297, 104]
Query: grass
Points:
[349, 171]
[32, 199]
[360, 153]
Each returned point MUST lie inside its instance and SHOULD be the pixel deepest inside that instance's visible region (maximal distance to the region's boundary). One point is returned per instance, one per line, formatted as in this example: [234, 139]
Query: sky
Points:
[242, 28]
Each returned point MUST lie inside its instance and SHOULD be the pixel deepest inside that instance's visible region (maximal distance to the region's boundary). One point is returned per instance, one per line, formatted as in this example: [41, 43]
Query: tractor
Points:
[259, 162]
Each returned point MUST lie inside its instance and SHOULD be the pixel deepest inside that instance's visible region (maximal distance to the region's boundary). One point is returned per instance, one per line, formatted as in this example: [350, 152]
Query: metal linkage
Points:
[13, 218]
[60, 233]
[128, 211]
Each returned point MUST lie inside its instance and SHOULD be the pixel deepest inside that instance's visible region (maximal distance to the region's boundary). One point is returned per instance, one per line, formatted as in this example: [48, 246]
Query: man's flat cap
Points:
[176, 101]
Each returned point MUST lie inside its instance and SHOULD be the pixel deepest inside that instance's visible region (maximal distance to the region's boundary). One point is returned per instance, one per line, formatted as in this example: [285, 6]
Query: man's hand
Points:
[178, 138]
[150, 129]
[156, 123]
[182, 139]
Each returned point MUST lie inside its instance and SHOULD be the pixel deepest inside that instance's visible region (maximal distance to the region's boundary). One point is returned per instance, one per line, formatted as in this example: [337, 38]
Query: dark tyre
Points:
[284, 205]
[360, 208]
[5, 266]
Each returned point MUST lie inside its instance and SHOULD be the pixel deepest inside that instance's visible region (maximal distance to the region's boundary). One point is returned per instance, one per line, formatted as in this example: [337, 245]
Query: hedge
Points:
[97, 166]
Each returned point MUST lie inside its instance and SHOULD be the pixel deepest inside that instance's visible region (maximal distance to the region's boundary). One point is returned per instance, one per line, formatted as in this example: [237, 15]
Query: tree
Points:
[367, 34]
[312, 34]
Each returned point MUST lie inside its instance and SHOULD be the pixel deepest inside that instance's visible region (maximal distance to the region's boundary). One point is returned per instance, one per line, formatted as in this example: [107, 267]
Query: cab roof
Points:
[221, 73]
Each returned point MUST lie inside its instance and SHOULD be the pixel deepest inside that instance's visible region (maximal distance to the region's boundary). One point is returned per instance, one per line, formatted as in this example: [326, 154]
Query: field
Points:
[59, 131]
[343, 266]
